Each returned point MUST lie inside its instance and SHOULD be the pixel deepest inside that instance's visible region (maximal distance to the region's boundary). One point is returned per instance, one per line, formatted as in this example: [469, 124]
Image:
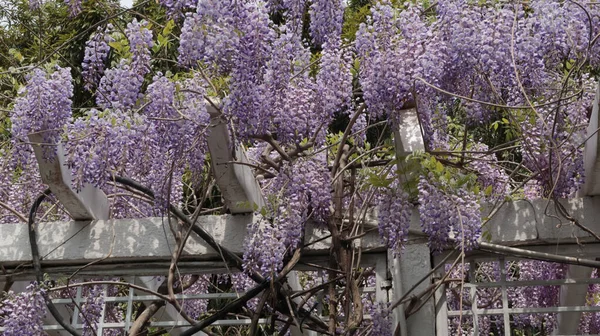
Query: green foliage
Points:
[355, 14]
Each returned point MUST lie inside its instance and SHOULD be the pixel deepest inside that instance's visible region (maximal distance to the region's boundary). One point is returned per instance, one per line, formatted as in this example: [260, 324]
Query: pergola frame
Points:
[143, 245]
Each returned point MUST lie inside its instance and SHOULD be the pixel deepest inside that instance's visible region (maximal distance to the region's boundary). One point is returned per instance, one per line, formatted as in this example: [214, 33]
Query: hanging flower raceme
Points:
[120, 87]
[22, 314]
[334, 80]
[91, 309]
[109, 142]
[395, 47]
[96, 52]
[445, 214]
[175, 8]
[326, 20]
[44, 106]
[140, 44]
[304, 186]
[74, 7]
[394, 211]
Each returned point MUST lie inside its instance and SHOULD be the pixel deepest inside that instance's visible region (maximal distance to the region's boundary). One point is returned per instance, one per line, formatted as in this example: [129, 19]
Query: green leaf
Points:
[378, 181]
[439, 167]
[488, 190]
[117, 45]
[168, 27]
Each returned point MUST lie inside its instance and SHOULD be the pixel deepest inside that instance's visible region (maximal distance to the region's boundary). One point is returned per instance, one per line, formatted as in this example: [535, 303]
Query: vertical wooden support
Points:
[235, 179]
[591, 157]
[572, 295]
[407, 269]
[473, 297]
[414, 262]
[407, 136]
[441, 306]
[88, 204]
[575, 295]
[505, 314]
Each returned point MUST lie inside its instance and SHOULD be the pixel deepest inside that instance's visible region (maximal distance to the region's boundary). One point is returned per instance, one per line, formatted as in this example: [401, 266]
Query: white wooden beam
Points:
[591, 157]
[576, 295]
[90, 203]
[236, 181]
[407, 136]
[144, 242]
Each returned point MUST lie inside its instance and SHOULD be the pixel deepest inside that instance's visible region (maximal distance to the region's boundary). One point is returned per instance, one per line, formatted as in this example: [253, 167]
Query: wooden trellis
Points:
[141, 247]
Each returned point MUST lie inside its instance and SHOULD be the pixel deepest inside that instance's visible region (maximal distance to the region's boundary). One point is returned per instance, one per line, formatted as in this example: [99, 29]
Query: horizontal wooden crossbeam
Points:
[145, 243]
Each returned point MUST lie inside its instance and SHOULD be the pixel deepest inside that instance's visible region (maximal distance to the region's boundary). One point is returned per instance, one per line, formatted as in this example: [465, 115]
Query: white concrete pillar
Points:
[407, 269]
[572, 295]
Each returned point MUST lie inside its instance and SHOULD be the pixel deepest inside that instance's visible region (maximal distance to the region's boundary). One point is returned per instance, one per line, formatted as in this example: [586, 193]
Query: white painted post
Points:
[408, 137]
[236, 181]
[88, 204]
[575, 295]
[572, 295]
[407, 269]
[414, 262]
[591, 157]
[441, 306]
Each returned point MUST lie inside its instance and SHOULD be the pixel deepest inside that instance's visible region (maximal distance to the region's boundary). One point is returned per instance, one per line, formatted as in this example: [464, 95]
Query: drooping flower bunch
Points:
[74, 7]
[44, 105]
[300, 192]
[326, 20]
[96, 52]
[140, 43]
[394, 211]
[119, 88]
[91, 310]
[105, 142]
[444, 214]
[395, 47]
[175, 8]
[537, 296]
[22, 314]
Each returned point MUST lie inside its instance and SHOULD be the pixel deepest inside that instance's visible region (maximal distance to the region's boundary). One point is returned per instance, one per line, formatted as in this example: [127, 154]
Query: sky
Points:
[126, 3]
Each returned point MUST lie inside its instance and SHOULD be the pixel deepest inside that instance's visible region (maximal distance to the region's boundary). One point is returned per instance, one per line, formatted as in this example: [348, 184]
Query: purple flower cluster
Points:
[590, 321]
[140, 44]
[264, 247]
[108, 142]
[537, 296]
[179, 127]
[96, 52]
[489, 173]
[22, 314]
[553, 148]
[381, 320]
[91, 310]
[196, 307]
[119, 88]
[35, 4]
[214, 32]
[175, 8]
[394, 47]
[74, 7]
[245, 98]
[443, 214]
[44, 105]
[334, 80]
[298, 189]
[394, 217]
[326, 20]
